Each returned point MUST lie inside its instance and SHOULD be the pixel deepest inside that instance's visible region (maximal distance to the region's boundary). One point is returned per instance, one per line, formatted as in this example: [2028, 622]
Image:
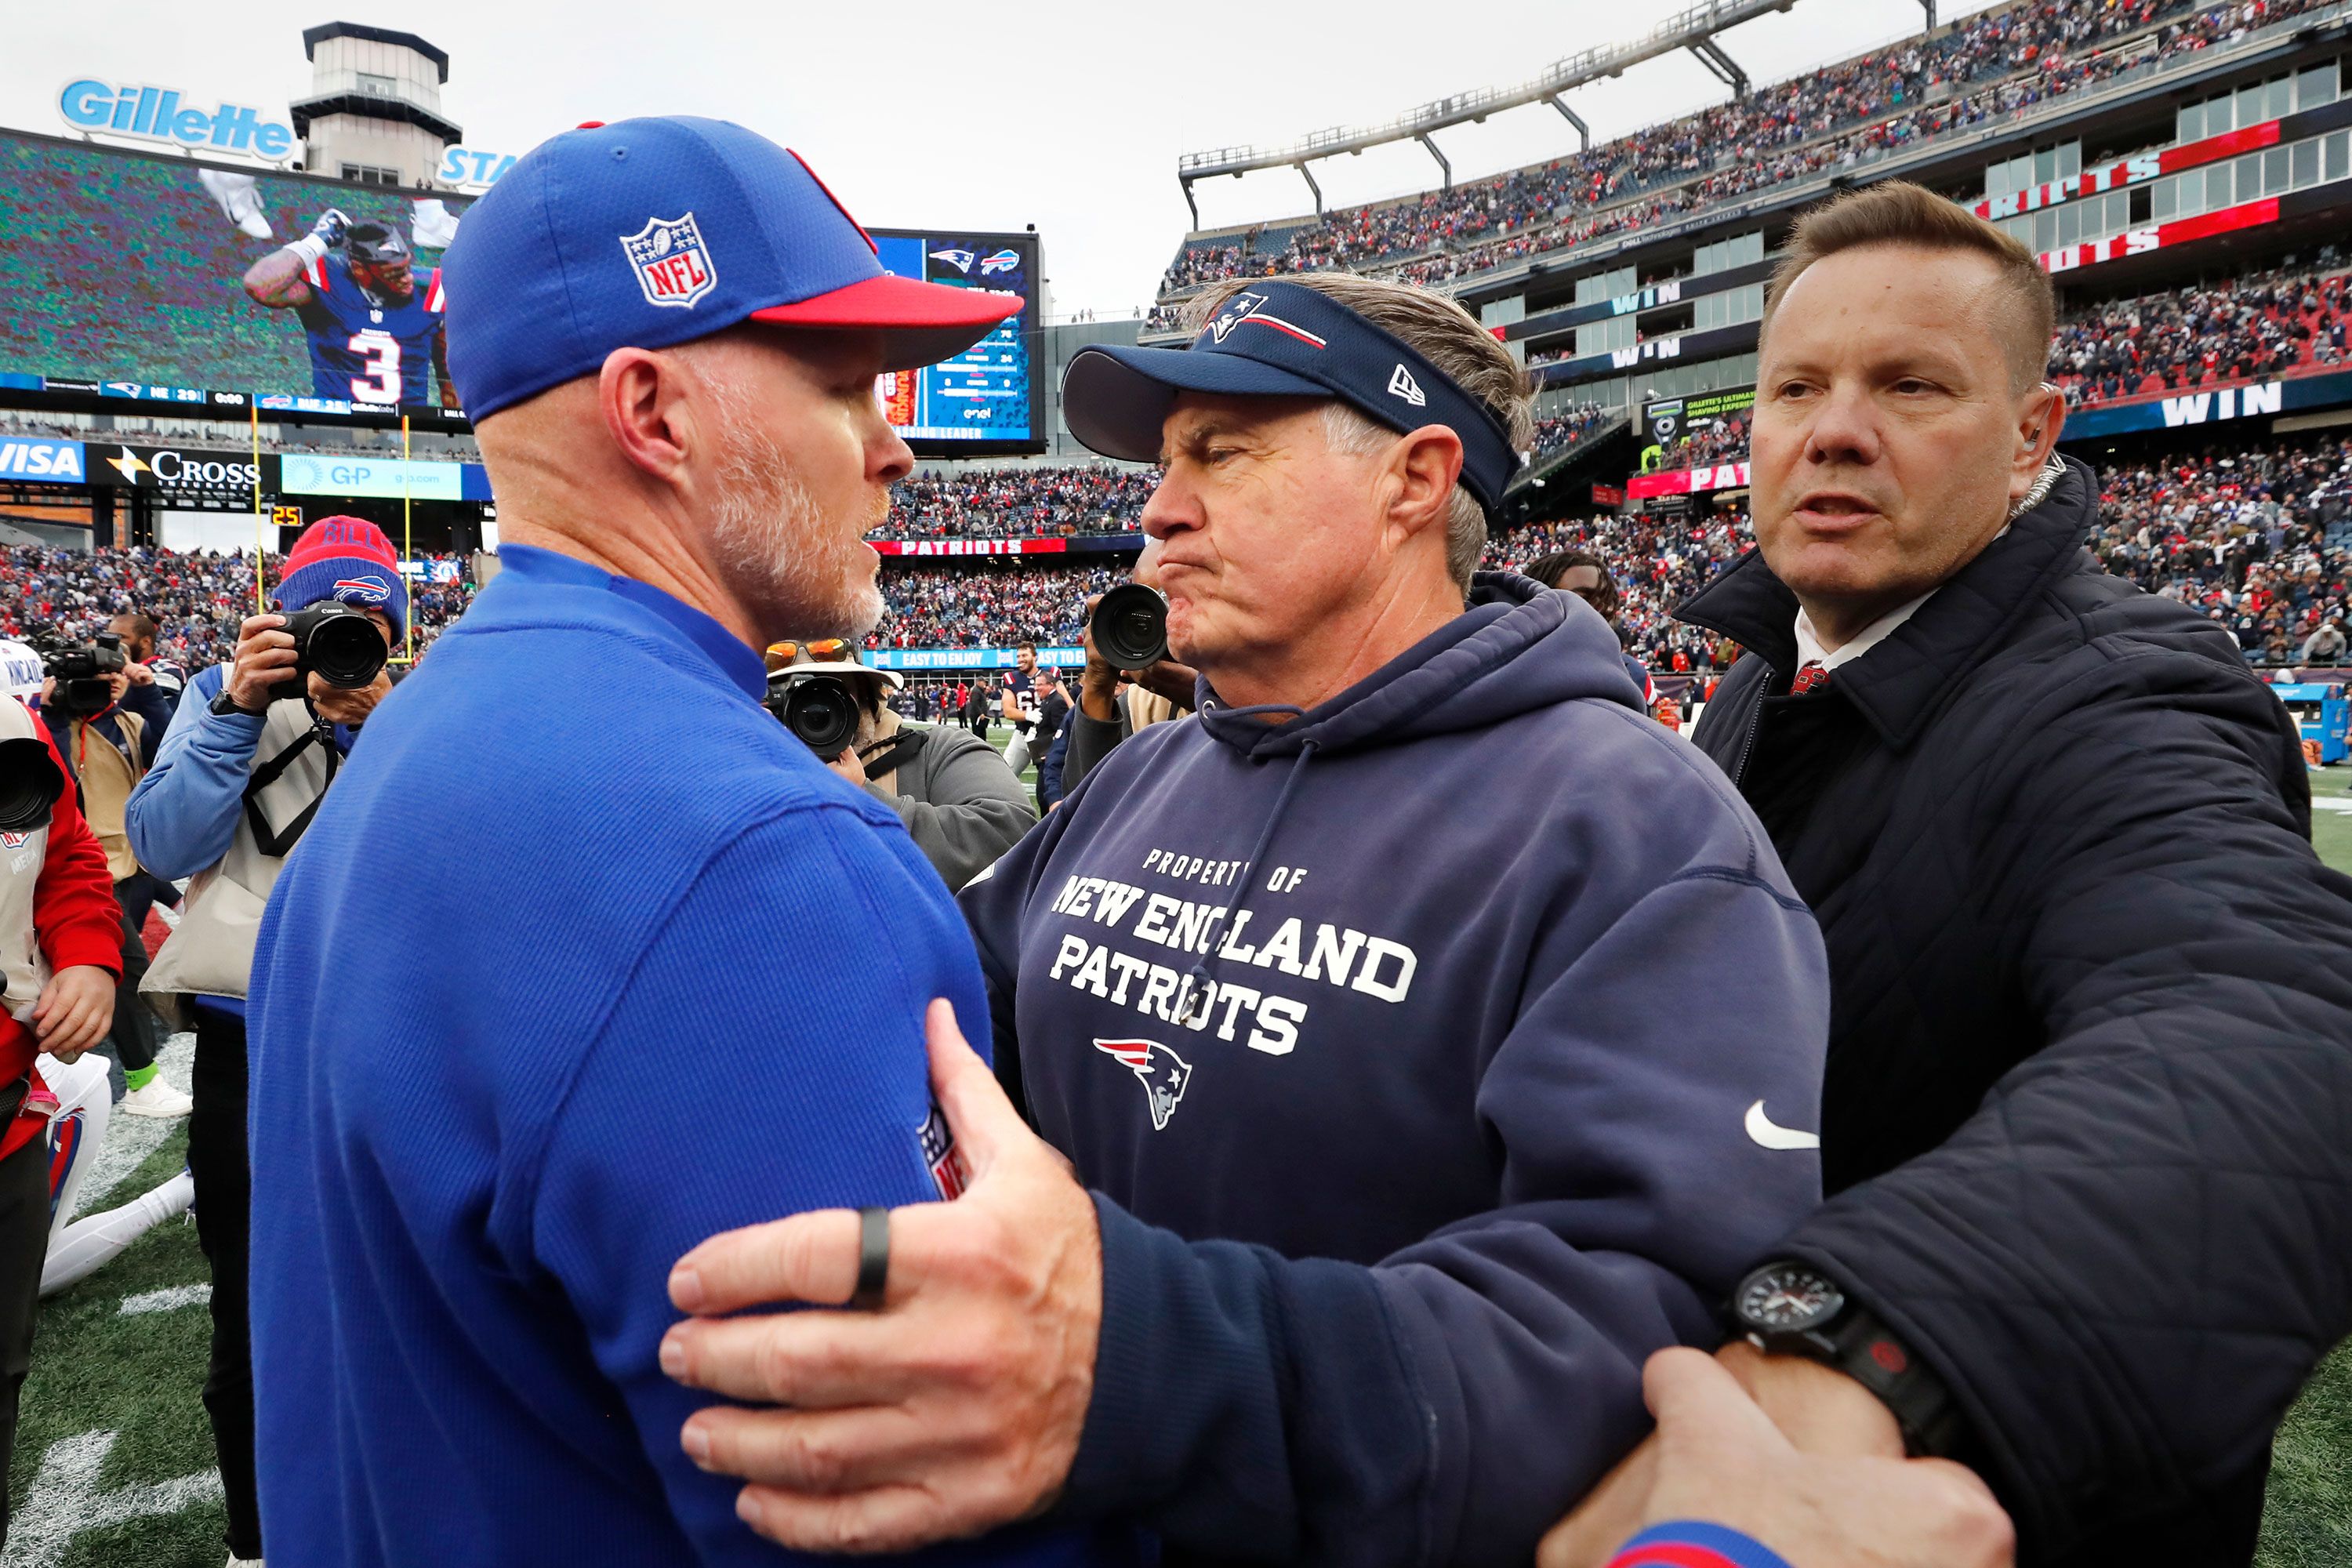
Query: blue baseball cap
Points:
[647, 233]
[1283, 339]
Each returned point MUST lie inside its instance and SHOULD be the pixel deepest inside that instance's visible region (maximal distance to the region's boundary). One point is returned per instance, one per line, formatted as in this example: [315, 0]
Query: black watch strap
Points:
[225, 703]
[1793, 1307]
[1864, 1348]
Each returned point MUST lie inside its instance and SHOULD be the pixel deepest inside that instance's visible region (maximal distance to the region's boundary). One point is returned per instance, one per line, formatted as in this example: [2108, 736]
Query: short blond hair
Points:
[1897, 212]
[1448, 337]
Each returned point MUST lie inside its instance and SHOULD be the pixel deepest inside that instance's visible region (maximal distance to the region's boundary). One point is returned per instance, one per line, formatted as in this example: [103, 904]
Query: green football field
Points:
[114, 1466]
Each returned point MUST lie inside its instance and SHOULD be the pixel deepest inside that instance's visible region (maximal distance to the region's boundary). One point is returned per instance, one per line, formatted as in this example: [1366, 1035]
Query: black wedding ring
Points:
[873, 1260]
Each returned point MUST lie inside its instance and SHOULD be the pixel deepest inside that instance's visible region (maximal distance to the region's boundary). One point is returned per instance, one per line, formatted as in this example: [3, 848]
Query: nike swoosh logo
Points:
[1771, 1134]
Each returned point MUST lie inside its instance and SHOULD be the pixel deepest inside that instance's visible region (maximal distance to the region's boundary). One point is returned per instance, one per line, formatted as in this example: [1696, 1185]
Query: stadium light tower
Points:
[374, 110]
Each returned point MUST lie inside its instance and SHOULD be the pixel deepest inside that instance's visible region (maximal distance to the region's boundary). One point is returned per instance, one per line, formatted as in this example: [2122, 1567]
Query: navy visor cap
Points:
[1281, 340]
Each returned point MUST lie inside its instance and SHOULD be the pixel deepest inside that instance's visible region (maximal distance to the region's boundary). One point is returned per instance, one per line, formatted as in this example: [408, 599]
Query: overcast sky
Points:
[1069, 116]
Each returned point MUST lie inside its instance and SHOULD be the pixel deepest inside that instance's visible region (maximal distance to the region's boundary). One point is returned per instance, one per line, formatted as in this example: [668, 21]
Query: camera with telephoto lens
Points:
[1130, 627]
[820, 709]
[338, 643]
[81, 674]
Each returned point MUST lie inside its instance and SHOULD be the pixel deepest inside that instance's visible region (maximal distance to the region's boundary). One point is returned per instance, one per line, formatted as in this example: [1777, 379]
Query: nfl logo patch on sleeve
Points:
[672, 264]
[939, 1153]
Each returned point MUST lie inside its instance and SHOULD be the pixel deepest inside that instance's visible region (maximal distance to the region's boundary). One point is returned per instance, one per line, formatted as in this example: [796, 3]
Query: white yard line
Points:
[65, 1501]
[169, 1299]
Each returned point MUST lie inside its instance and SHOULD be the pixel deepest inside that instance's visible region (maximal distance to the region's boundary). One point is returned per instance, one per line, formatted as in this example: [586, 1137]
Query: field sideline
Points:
[114, 1468]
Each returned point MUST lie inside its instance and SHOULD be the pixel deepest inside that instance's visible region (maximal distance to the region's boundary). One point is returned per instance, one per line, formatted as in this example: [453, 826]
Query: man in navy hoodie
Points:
[1360, 1002]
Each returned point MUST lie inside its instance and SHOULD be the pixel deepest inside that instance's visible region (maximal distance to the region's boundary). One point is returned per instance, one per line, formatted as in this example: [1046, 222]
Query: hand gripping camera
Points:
[337, 642]
[80, 673]
[820, 709]
[1130, 627]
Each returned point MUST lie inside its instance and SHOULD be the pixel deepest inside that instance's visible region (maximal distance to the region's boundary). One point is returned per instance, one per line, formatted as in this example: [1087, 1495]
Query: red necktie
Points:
[1813, 678]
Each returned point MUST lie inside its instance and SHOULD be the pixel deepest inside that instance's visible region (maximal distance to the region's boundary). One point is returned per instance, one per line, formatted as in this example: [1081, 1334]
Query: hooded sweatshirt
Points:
[1411, 1135]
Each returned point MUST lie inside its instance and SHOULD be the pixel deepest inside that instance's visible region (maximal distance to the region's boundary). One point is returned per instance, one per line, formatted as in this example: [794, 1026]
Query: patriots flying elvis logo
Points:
[1247, 308]
[372, 590]
[958, 259]
[1161, 1071]
[672, 264]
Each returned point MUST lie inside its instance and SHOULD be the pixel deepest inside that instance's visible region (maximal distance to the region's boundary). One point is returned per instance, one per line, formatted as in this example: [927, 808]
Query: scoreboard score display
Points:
[986, 399]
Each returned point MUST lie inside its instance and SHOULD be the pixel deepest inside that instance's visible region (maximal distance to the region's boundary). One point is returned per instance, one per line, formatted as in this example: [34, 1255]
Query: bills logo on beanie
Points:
[345, 558]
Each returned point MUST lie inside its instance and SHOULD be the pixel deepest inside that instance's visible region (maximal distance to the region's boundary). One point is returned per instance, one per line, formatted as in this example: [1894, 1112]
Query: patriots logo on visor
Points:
[1161, 1071]
[372, 590]
[672, 264]
[1247, 309]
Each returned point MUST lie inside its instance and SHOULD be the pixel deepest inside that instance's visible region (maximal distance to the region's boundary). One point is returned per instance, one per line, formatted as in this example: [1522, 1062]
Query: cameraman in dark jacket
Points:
[107, 728]
[2090, 1064]
[962, 804]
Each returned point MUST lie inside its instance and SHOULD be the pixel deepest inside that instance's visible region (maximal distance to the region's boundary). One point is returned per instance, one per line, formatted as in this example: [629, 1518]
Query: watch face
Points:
[1788, 1296]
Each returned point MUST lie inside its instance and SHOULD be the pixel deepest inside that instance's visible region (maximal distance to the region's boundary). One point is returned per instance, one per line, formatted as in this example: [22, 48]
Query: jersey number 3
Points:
[382, 382]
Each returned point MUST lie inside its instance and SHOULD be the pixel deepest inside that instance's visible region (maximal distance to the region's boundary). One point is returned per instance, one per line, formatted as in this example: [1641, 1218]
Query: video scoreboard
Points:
[986, 399]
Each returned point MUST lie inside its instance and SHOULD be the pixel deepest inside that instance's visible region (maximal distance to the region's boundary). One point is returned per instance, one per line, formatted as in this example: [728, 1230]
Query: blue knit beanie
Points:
[345, 558]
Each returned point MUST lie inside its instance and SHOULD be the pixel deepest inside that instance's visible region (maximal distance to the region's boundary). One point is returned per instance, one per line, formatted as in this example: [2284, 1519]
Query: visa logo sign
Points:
[23, 457]
[2230, 403]
[154, 114]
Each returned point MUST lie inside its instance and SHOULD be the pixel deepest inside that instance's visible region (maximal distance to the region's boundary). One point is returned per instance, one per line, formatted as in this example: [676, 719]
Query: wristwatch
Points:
[1791, 1307]
[225, 703]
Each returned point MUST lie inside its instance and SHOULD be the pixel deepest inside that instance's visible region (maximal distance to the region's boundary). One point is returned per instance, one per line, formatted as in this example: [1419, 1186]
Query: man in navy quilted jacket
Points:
[2091, 1039]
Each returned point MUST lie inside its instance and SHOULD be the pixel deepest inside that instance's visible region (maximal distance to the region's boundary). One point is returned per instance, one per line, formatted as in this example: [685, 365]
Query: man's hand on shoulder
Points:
[1717, 1456]
[953, 1410]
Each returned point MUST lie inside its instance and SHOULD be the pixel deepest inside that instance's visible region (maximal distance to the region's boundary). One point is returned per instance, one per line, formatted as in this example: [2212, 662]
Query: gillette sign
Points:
[157, 114]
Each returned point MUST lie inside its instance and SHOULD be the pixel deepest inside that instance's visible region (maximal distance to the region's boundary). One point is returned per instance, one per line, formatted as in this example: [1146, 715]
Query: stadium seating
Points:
[195, 600]
[988, 603]
[1993, 64]
[1019, 502]
[2259, 327]
[2259, 537]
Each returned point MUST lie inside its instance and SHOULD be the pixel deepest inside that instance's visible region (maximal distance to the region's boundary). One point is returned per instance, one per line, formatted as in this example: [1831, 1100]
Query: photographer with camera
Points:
[962, 806]
[1130, 682]
[241, 773]
[107, 714]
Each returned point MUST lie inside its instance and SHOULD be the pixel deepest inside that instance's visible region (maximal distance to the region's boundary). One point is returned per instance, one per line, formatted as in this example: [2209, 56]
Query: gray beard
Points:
[764, 524]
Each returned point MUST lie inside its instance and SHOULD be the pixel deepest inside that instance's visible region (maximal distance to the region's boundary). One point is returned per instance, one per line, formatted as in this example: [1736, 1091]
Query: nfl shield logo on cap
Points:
[672, 264]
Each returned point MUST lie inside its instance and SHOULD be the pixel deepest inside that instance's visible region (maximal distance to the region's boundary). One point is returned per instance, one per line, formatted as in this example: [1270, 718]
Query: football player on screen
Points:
[372, 330]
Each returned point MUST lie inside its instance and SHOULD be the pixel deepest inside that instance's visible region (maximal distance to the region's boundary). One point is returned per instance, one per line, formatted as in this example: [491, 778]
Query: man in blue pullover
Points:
[1362, 1003]
[469, 1178]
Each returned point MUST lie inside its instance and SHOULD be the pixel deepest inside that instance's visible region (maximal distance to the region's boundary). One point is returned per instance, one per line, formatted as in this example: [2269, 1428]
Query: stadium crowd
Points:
[1860, 110]
[1019, 502]
[2252, 327]
[2259, 538]
[989, 602]
[195, 599]
[1567, 426]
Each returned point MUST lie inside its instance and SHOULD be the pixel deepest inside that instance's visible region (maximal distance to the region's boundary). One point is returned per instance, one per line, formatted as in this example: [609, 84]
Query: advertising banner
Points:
[387, 479]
